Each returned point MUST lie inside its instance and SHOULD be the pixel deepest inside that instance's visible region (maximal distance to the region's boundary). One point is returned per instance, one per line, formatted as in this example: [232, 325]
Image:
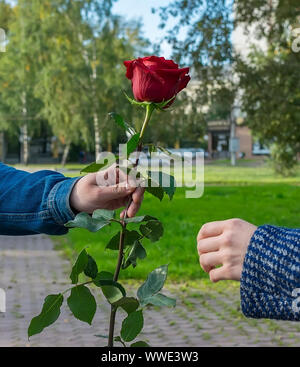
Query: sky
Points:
[142, 9]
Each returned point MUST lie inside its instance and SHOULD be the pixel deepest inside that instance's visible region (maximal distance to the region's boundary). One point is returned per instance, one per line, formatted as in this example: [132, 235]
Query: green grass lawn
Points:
[219, 172]
[277, 204]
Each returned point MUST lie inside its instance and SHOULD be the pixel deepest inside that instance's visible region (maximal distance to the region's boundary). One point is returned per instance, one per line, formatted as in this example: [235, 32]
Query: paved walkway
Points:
[209, 316]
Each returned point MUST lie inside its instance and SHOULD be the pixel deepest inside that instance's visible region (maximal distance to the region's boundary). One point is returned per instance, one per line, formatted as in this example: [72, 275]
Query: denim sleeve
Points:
[270, 282]
[33, 203]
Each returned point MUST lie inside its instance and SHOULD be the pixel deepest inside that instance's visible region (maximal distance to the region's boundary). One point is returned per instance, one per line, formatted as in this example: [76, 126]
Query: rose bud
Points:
[155, 79]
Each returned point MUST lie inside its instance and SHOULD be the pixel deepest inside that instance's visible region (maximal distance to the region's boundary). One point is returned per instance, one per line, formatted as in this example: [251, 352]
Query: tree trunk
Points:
[24, 133]
[98, 147]
[93, 81]
[232, 136]
[97, 136]
[25, 144]
[65, 154]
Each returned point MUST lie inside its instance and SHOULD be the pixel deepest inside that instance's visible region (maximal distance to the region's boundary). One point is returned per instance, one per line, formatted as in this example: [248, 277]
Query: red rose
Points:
[155, 79]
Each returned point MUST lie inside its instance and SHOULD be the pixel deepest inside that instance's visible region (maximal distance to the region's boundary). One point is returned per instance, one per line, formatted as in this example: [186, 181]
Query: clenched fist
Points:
[224, 243]
[108, 189]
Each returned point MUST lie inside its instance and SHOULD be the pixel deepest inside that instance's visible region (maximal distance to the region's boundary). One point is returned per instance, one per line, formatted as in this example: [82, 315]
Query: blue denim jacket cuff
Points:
[59, 201]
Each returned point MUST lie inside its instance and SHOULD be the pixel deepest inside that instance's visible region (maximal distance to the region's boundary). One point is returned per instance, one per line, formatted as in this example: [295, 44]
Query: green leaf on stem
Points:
[160, 106]
[82, 304]
[84, 220]
[49, 314]
[79, 266]
[155, 190]
[154, 283]
[153, 230]
[163, 104]
[144, 218]
[120, 121]
[136, 103]
[103, 275]
[119, 340]
[136, 252]
[165, 181]
[159, 300]
[129, 239]
[132, 326]
[114, 242]
[129, 304]
[132, 144]
[91, 269]
[140, 344]
[105, 214]
[113, 291]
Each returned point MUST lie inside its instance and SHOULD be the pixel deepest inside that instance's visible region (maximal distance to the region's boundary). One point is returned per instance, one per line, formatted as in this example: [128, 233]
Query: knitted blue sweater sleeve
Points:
[270, 281]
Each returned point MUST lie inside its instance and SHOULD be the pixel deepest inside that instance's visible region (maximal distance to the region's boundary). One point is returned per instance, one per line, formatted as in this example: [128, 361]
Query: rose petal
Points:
[129, 72]
[146, 85]
[155, 62]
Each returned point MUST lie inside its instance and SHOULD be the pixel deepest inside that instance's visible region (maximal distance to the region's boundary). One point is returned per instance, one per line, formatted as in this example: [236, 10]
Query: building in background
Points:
[218, 137]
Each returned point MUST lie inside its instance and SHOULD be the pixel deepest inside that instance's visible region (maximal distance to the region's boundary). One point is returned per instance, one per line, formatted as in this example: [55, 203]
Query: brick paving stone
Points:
[30, 270]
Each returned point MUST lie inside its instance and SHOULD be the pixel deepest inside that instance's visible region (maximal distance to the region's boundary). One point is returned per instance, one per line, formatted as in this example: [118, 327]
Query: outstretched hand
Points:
[224, 243]
[108, 189]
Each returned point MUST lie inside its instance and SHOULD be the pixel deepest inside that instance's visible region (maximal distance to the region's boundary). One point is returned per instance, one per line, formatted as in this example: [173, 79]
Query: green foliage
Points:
[124, 125]
[163, 180]
[132, 143]
[284, 159]
[91, 269]
[137, 251]
[140, 344]
[91, 223]
[113, 291]
[156, 191]
[128, 304]
[159, 300]
[153, 230]
[144, 218]
[266, 69]
[129, 238]
[154, 283]
[132, 326]
[79, 266]
[49, 314]
[82, 304]
[130, 249]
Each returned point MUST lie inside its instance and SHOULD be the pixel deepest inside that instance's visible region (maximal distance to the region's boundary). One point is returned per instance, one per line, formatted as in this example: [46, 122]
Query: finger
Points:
[209, 244]
[211, 229]
[218, 274]
[116, 204]
[137, 199]
[116, 192]
[138, 195]
[210, 261]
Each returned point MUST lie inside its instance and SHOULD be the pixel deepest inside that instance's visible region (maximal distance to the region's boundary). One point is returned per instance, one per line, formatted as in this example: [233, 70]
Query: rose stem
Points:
[149, 110]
